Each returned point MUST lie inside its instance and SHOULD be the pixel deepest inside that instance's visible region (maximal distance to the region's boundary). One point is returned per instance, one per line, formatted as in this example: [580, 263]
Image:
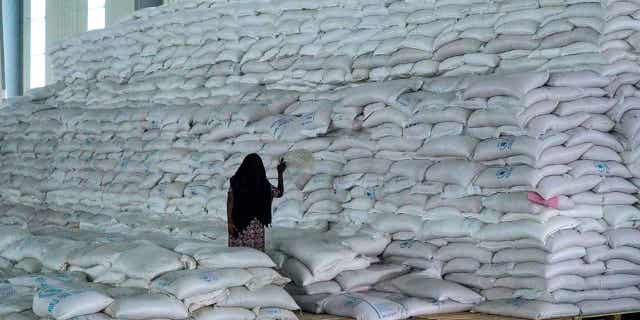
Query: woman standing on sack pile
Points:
[249, 202]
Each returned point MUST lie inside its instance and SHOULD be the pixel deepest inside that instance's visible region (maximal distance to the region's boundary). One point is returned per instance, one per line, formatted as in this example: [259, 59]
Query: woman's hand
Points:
[282, 166]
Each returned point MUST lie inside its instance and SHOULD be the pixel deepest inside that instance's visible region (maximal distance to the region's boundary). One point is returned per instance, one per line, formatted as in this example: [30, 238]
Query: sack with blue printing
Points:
[205, 300]
[276, 314]
[14, 298]
[63, 302]
[38, 280]
[188, 283]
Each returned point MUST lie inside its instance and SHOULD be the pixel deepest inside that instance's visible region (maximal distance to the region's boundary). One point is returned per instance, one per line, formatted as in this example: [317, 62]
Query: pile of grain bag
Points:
[519, 159]
[345, 277]
[527, 192]
[545, 252]
[518, 184]
[142, 129]
[62, 279]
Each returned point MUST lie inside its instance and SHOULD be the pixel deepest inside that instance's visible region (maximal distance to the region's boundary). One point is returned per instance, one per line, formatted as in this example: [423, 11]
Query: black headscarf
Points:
[251, 193]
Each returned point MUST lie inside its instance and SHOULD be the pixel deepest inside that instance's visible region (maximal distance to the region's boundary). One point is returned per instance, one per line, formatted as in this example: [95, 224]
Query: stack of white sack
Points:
[228, 282]
[313, 262]
[340, 276]
[398, 167]
[147, 127]
[117, 173]
[136, 280]
[560, 200]
[344, 158]
[310, 45]
[620, 46]
[56, 296]
[130, 131]
[132, 264]
[527, 188]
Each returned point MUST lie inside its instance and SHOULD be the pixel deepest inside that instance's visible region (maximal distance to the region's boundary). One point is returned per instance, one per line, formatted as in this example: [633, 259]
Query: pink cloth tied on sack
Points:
[538, 199]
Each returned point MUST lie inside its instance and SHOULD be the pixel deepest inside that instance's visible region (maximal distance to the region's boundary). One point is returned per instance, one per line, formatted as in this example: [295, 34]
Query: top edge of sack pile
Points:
[311, 45]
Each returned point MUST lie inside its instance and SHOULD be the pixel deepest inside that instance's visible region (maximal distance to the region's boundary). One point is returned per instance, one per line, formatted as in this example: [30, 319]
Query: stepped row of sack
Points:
[373, 148]
[341, 275]
[624, 87]
[477, 145]
[115, 276]
[539, 219]
[522, 187]
[560, 240]
[365, 273]
[193, 47]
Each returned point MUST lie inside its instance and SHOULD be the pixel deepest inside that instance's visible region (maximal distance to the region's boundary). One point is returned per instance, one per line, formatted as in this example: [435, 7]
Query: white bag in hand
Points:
[299, 161]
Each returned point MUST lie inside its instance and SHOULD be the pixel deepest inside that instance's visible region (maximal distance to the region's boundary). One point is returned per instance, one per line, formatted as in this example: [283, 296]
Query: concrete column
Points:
[2, 81]
[141, 4]
[12, 46]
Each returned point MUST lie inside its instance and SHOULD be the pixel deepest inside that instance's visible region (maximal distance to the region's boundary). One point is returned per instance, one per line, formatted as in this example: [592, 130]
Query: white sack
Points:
[513, 85]
[566, 185]
[463, 250]
[217, 313]
[222, 257]
[410, 249]
[606, 306]
[375, 273]
[623, 237]
[184, 284]
[416, 285]
[361, 306]
[317, 255]
[527, 309]
[269, 296]
[449, 146]
[147, 261]
[276, 314]
[66, 301]
[459, 172]
[147, 306]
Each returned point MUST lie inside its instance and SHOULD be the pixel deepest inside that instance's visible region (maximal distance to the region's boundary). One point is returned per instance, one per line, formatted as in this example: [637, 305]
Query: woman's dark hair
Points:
[251, 193]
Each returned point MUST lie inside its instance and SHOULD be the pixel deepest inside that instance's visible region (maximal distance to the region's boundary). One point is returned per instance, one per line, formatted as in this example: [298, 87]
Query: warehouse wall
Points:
[116, 10]
[65, 19]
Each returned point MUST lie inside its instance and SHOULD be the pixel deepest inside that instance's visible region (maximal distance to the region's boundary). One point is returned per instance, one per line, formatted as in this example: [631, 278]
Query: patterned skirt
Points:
[252, 236]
